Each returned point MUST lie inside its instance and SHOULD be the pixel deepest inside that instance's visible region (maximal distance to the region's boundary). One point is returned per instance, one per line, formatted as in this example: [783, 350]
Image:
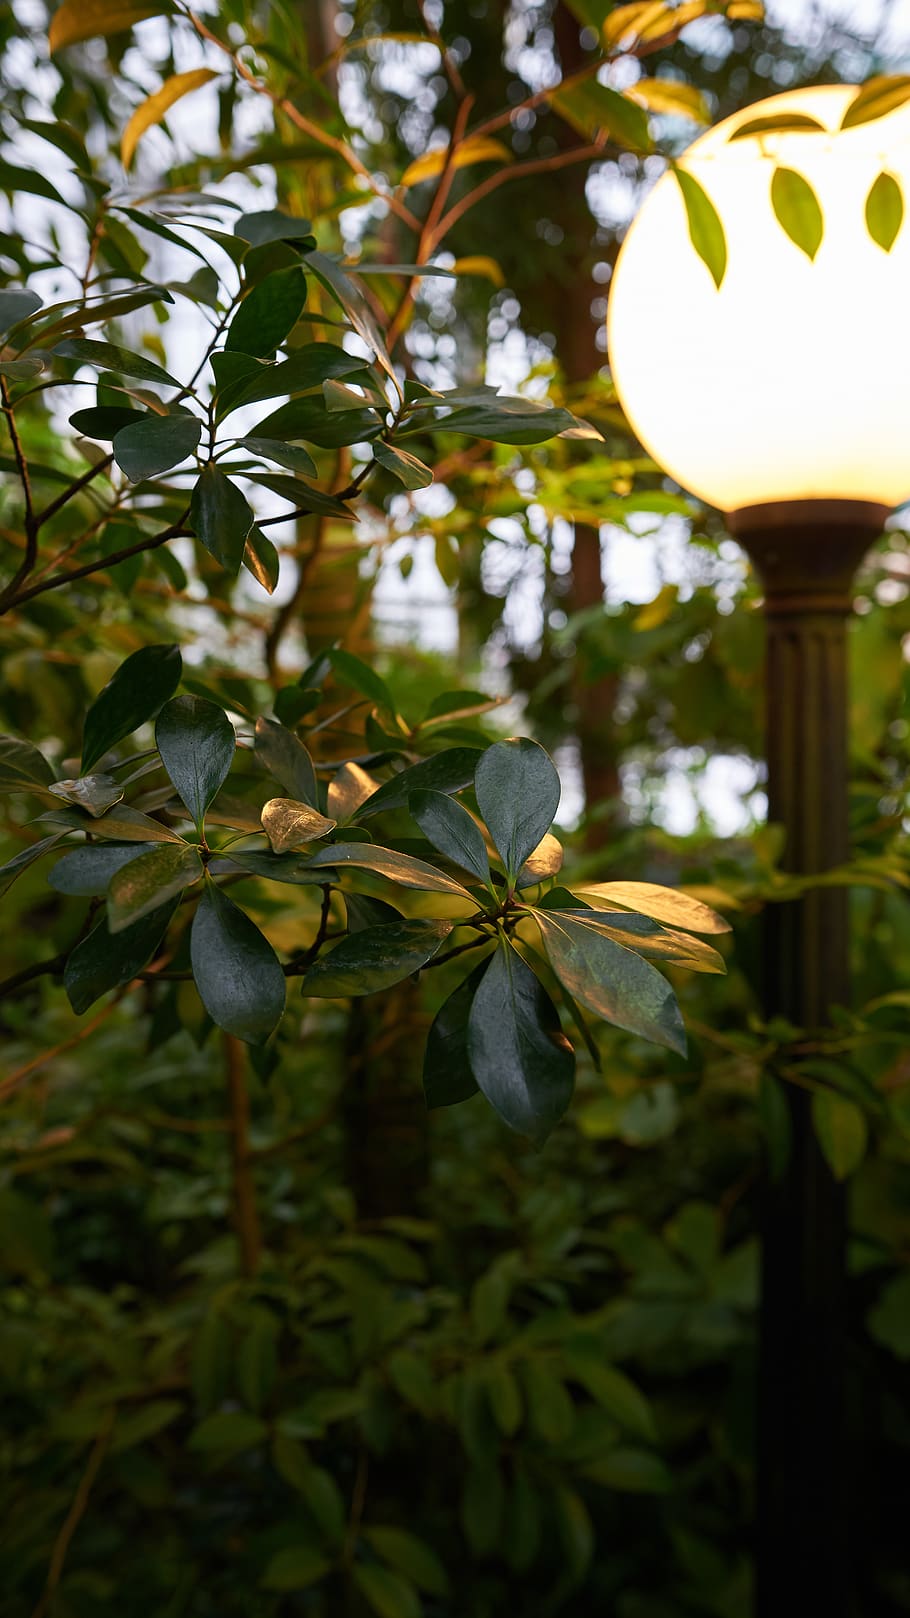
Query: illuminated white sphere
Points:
[792, 381]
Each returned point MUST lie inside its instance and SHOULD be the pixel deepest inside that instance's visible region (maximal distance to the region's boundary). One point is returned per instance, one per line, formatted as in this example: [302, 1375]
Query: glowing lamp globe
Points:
[791, 381]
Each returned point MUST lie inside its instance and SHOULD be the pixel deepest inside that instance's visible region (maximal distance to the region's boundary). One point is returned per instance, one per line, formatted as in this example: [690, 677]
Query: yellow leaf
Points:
[153, 109]
[76, 20]
[476, 149]
[661, 904]
[656, 612]
[631, 19]
[291, 824]
[543, 861]
[349, 789]
[746, 11]
[668, 95]
[478, 265]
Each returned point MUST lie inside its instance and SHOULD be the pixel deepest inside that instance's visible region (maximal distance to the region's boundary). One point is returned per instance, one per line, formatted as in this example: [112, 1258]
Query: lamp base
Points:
[806, 552]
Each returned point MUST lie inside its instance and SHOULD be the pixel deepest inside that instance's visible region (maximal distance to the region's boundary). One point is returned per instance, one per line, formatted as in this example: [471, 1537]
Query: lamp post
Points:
[776, 398]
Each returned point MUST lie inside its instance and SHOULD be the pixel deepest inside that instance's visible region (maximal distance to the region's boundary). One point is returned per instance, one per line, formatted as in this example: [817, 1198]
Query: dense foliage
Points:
[295, 1320]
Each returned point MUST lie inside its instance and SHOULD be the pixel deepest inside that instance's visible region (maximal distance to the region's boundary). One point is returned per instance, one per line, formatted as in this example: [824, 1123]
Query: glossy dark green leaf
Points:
[448, 771]
[233, 372]
[141, 885]
[406, 468]
[518, 791]
[352, 300]
[22, 766]
[504, 420]
[376, 958]
[261, 559]
[94, 793]
[196, 741]
[104, 961]
[706, 232]
[238, 975]
[221, 517]
[105, 421]
[400, 868]
[17, 303]
[88, 870]
[611, 981]
[518, 1053]
[120, 825]
[288, 868]
[287, 760]
[884, 210]
[303, 496]
[271, 225]
[364, 911]
[798, 209]
[353, 671]
[451, 830]
[310, 419]
[18, 370]
[447, 1075]
[155, 444]
[594, 109]
[132, 695]
[111, 357]
[13, 868]
[293, 456]
[268, 314]
[305, 369]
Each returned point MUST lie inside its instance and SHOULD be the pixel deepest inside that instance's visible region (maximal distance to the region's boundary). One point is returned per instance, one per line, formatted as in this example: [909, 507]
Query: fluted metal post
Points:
[806, 553]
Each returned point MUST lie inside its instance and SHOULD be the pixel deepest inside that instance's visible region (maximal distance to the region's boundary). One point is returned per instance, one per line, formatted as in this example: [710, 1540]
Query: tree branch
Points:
[102, 564]
[31, 525]
[76, 1512]
[521, 171]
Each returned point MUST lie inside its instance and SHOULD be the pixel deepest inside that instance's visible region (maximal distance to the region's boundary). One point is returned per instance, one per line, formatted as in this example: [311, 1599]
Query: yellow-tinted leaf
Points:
[661, 904]
[884, 211]
[76, 20]
[543, 861]
[705, 229]
[671, 96]
[291, 824]
[350, 788]
[877, 97]
[798, 210]
[630, 19]
[778, 123]
[476, 149]
[479, 265]
[656, 612]
[153, 109]
[842, 1132]
[746, 11]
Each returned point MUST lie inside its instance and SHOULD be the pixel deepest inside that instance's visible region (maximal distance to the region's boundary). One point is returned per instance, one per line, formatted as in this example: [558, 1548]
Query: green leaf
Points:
[447, 1076]
[375, 958]
[121, 825]
[287, 868]
[292, 456]
[13, 868]
[104, 421]
[611, 981]
[884, 210]
[306, 368]
[889, 1318]
[268, 314]
[706, 232]
[17, 370]
[386, 1593]
[778, 123]
[302, 495]
[504, 420]
[271, 225]
[518, 1053]
[670, 905]
[295, 1569]
[287, 760]
[310, 419]
[576, 1531]
[353, 671]
[877, 97]
[261, 559]
[238, 975]
[451, 830]
[132, 695]
[142, 884]
[406, 468]
[196, 741]
[22, 766]
[798, 210]
[482, 1502]
[103, 961]
[353, 301]
[323, 1496]
[445, 772]
[842, 1132]
[221, 517]
[400, 868]
[155, 444]
[94, 793]
[594, 109]
[17, 303]
[517, 789]
[111, 357]
[632, 1471]
[410, 1556]
[228, 1432]
[88, 870]
[613, 1391]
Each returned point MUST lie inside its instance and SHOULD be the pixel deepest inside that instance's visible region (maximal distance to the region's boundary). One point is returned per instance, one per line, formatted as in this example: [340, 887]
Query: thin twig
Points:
[429, 229]
[14, 1081]
[76, 1512]
[102, 564]
[520, 171]
[31, 525]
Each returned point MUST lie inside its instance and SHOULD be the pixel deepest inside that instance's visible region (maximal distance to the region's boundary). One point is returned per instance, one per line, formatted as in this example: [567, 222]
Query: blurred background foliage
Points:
[271, 1338]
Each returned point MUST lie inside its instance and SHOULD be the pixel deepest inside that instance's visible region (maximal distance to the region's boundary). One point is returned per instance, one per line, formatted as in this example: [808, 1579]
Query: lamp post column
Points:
[806, 553]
